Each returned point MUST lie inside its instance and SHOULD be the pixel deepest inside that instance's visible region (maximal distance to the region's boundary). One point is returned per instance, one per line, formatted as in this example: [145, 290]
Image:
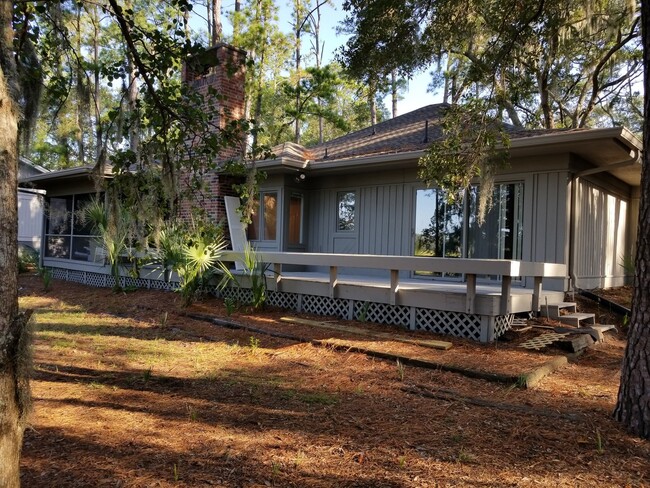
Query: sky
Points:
[415, 97]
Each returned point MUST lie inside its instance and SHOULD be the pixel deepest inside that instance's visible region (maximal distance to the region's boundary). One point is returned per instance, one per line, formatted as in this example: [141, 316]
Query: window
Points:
[445, 228]
[439, 225]
[295, 219]
[264, 219]
[501, 234]
[346, 210]
[67, 236]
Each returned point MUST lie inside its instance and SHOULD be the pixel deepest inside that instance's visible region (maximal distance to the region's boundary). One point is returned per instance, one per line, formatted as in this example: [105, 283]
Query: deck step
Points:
[553, 310]
[577, 319]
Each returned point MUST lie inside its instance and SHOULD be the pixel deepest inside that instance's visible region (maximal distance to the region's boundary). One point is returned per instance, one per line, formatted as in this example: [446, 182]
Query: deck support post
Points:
[537, 294]
[333, 281]
[277, 271]
[506, 290]
[394, 286]
[471, 293]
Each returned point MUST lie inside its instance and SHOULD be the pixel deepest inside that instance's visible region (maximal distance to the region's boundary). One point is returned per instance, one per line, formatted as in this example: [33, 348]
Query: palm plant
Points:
[194, 254]
[113, 229]
[256, 270]
[169, 248]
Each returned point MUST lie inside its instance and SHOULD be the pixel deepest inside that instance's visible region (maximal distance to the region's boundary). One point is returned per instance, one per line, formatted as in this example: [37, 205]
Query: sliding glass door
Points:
[438, 226]
[450, 228]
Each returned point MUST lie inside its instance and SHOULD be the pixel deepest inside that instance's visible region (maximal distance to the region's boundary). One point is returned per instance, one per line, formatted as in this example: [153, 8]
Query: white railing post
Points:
[537, 294]
[277, 271]
[333, 281]
[506, 289]
[394, 286]
[471, 292]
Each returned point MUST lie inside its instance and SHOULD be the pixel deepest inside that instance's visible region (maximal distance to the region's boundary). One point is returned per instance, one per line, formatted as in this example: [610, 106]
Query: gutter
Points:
[575, 177]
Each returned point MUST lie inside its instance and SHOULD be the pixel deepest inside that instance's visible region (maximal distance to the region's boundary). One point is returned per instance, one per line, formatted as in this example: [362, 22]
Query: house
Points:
[342, 223]
[65, 241]
[566, 196]
[30, 207]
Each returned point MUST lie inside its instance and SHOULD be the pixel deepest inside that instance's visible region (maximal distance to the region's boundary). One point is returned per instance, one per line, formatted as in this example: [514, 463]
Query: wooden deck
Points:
[469, 296]
[323, 285]
[424, 293]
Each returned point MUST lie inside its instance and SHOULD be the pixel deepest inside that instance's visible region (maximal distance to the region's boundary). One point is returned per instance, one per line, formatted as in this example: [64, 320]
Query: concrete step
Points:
[552, 310]
[578, 319]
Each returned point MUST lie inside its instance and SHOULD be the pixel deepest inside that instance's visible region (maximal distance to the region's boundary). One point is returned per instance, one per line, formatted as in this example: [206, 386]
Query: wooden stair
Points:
[556, 311]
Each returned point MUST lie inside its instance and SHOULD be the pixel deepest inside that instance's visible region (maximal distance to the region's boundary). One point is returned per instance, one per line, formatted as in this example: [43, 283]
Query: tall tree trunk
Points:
[296, 137]
[134, 128]
[633, 405]
[216, 22]
[372, 102]
[299, 23]
[99, 132]
[80, 110]
[11, 410]
[393, 91]
[235, 24]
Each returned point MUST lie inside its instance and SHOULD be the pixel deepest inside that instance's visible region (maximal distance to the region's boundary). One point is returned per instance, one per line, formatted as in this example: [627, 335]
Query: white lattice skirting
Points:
[481, 328]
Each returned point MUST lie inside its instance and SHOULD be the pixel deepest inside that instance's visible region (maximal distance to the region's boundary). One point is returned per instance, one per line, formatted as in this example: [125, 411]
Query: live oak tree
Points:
[168, 115]
[633, 404]
[544, 63]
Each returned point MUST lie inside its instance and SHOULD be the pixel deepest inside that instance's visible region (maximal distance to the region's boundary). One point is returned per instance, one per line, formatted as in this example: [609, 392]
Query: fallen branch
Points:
[524, 380]
[452, 396]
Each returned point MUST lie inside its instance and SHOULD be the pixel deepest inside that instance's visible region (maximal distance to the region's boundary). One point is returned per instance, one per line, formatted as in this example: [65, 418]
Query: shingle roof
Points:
[409, 132]
[412, 131]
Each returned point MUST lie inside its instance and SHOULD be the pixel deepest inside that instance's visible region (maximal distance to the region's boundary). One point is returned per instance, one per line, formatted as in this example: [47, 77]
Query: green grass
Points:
[318, 398]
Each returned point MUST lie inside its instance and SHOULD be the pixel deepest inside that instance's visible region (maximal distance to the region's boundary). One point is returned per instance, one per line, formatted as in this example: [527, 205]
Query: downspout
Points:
[572, 225]
[575, 177]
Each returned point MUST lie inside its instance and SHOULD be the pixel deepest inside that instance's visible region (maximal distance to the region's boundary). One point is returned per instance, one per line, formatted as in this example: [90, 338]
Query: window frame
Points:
[72, 228]
[467, 223]
[301, 222]
[355, 212]
[260, 215]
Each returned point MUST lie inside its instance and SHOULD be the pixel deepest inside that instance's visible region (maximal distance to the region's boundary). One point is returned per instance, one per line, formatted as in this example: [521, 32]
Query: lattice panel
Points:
[58, 273]
[240, 295]
[452, 323]
[76, 276]
[162, 285]
[95, 279]
[502, 323]
[282, 300]
[131, 282]
[337, 307]
[382, 313]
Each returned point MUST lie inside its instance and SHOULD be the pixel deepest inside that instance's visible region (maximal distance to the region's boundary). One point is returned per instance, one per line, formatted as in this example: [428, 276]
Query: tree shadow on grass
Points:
[260, 400]
[54, 458]
[157, 332]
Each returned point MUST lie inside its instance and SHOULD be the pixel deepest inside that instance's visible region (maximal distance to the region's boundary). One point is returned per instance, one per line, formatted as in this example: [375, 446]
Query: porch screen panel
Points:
[500, 236]
[84, 243]
[67, 235]
[59, 215]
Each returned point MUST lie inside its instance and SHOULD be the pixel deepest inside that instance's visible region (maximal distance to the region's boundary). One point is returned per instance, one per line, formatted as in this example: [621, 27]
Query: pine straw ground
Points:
[129, 392]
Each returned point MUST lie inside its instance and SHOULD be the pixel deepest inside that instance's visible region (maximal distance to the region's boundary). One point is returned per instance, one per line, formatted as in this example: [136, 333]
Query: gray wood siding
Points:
[600, 237]
[549, 224]
[384, 210]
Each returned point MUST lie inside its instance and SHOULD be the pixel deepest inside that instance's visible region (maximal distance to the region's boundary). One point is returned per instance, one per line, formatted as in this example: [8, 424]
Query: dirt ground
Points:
[130, 392]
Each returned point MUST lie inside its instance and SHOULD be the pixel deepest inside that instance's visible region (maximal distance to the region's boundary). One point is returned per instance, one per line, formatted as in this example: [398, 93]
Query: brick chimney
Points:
[221, 67]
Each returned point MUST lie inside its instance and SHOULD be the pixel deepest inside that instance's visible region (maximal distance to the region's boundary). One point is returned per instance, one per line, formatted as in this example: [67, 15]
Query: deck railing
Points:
[471, 268]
